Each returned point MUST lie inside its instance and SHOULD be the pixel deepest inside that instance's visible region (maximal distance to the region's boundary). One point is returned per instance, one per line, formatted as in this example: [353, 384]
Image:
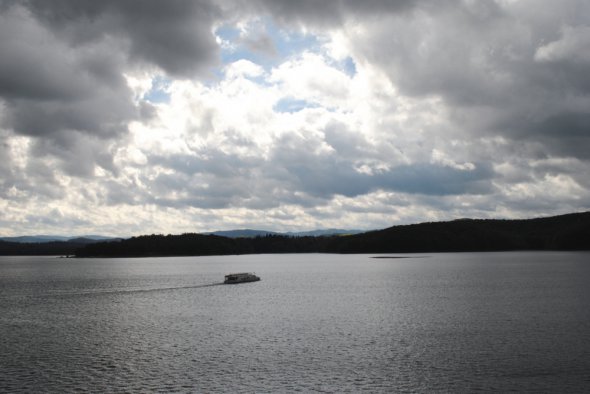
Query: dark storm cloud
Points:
[207, 179]
[37, 66]
[36, 179]
[566, 133]
[62, 66]
[331, 12]
[7, 178]
[55, 93]
[439, 180]
[324, 175]
[175, 35]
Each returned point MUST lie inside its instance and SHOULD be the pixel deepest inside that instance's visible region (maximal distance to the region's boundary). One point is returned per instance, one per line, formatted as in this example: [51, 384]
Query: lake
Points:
[448, 322]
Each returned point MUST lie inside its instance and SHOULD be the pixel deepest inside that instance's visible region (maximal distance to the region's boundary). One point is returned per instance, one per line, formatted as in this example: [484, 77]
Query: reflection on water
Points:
[443, 322]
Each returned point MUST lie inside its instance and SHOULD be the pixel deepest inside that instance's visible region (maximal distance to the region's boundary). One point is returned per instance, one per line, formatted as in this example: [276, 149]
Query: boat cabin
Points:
[241, 277]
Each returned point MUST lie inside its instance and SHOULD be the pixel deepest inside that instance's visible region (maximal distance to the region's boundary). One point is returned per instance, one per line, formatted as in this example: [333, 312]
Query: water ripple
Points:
[315, 324]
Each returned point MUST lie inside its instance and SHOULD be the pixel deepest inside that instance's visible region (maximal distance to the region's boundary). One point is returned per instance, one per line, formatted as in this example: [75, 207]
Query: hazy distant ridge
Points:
[46, 245]
[55, 238]
[249, 233]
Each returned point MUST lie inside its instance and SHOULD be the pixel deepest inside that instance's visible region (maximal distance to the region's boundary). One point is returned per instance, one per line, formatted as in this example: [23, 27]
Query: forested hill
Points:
[202, 245]
[565, 232]
[45, 248]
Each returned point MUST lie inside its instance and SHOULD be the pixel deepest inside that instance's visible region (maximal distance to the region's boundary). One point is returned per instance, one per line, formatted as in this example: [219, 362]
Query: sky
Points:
[129, 117]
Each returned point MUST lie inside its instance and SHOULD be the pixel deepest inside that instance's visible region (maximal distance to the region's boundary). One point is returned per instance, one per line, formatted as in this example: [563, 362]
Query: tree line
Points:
[565, 232]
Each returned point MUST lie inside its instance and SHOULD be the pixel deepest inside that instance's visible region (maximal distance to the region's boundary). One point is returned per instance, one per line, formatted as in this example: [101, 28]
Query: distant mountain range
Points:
[249, 233]
[56, 238]
[244, 233]
[35, 245]
[50, 245]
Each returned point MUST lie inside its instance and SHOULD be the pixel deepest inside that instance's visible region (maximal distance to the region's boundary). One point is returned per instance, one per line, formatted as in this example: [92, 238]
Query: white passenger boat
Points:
[242, 277]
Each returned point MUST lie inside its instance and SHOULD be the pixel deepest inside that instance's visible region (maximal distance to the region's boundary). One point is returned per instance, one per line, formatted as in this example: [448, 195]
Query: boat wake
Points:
[115, 291]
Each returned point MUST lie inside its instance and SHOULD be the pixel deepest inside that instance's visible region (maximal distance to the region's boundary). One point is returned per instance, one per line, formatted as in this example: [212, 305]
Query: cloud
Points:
[572, 46]
[259, 42]
[323, 173]
[175, 36]
[194, 115]
[484, 61]
[311, 77]
[304, 168]
[329, 13]
[6, 172]
[63, 66]
[58, 94]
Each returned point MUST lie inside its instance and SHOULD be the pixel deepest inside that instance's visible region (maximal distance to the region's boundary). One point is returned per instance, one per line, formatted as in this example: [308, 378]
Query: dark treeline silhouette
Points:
[202, 245]
[565, 232]
[40, 248]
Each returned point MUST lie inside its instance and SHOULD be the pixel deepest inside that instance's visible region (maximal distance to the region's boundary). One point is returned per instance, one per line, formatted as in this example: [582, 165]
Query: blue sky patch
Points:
[349, 67]
[291, 105]
[158, 93]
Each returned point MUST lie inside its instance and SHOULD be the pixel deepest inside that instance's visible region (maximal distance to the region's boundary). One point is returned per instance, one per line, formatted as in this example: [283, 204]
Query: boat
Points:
[241, 277]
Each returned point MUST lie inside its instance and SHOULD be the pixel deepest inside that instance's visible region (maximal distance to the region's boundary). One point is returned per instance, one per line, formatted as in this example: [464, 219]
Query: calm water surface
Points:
[331, 323]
